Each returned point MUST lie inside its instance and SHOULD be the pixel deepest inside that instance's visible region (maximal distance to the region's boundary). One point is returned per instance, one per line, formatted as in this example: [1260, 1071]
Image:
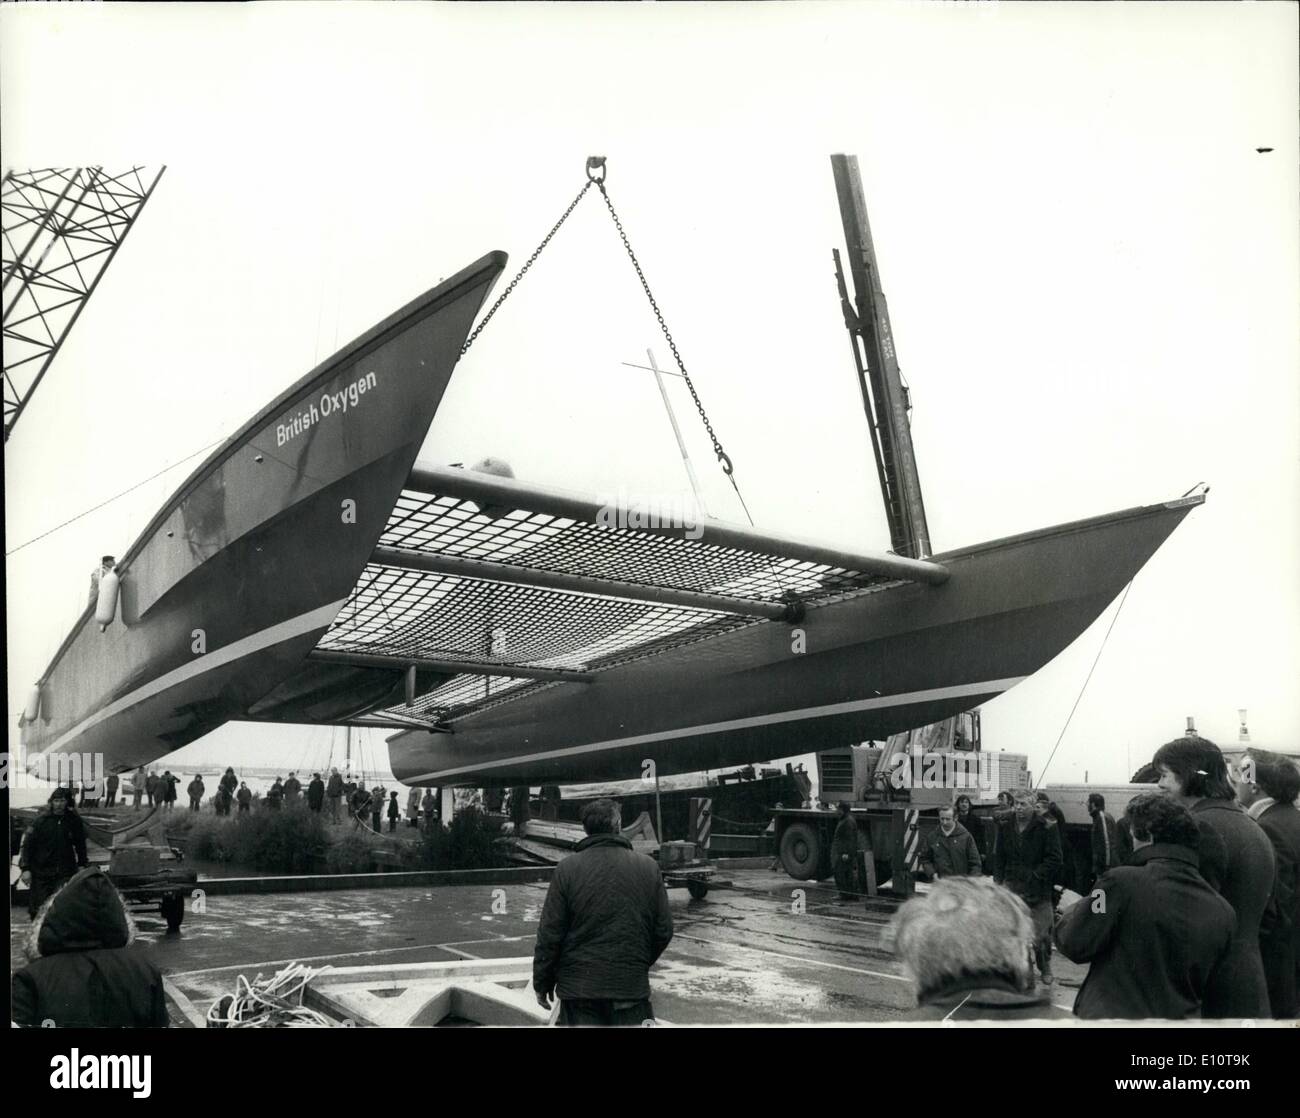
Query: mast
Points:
[884, 398]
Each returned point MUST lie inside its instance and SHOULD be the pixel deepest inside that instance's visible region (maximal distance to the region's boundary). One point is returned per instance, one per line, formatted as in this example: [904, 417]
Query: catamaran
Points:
[312, 571]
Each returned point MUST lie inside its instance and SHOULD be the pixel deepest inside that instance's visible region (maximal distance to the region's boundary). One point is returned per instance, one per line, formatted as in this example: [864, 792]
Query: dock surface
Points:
[743, 955]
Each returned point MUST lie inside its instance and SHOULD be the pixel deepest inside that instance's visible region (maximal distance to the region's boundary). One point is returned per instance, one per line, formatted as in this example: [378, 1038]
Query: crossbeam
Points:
[462, 567]
[457, 667]
[491, 490]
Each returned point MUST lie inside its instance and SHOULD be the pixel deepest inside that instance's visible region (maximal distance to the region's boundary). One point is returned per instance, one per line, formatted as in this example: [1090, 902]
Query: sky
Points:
[1092, 275]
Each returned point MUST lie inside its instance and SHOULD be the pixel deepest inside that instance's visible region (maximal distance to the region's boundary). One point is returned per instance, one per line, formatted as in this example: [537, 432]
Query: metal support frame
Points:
[465, 667]
[61, 229]
[492, 491]
[461, 567]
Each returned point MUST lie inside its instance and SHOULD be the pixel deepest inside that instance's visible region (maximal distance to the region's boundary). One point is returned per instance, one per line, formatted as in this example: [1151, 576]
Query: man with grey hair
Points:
[966, 946]
[605, 921]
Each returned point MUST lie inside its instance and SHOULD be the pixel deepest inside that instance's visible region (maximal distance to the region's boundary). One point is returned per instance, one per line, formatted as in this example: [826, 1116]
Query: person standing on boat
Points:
[292, 788]
[195, 791]
[334, 794]
[315, 793]
[605, 922]
[245, 797]
[53, 849]
[1236, 859]
[105, 565]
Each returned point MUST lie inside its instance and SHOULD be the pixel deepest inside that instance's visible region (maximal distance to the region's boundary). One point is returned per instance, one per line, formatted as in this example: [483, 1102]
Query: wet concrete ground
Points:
[742, 955]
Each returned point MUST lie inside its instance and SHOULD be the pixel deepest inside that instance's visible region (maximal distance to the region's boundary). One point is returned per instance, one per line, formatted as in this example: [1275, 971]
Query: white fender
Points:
[32, 711]
[106, 607]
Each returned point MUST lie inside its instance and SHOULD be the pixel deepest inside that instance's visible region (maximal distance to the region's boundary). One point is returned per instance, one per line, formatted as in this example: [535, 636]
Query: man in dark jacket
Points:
[244, 796]
[53, 849]
[1237, 861]
[167, 789]
[83, 973]
[1027, 860]
[275, 795]
[1267, 786]
[315, 793]
[1105, 837]
[605, 921]
[951, 849]
[195, 790]
[845, 844]
[967, 818]
[966, 947]
[292, 789]
[113, 781]
[334, 794]
[1154, 932]
[151, 788]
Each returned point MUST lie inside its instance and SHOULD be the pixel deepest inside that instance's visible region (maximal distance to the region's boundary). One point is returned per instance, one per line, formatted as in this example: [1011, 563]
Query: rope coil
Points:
[266, 1003]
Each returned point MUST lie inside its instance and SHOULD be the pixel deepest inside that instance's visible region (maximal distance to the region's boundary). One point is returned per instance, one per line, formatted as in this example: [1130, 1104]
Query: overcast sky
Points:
[1092, 274]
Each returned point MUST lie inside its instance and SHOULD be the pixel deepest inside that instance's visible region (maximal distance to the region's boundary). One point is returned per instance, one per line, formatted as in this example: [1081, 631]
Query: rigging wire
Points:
[1082, 689]
[102, 504]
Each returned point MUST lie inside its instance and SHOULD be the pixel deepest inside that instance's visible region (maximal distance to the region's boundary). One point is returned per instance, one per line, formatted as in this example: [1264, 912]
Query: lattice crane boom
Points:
[61, 229]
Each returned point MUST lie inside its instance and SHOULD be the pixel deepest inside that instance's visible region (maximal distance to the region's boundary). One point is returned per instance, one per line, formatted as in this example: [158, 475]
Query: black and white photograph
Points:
[679, 515]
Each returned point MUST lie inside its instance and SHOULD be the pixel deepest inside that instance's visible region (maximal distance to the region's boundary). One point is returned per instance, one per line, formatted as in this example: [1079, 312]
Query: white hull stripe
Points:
[320, 618]
[937, 694]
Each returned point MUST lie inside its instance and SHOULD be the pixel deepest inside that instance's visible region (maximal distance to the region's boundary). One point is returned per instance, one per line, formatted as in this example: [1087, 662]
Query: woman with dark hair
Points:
[1236, 859]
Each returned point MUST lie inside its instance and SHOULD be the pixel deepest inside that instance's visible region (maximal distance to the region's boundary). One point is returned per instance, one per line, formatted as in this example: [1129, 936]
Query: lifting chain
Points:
[717, 446]
[520, 275]
[596, 177]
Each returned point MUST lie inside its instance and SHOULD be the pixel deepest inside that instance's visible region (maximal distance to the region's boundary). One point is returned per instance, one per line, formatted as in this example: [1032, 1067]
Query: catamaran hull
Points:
[240, 575]
[875, 663]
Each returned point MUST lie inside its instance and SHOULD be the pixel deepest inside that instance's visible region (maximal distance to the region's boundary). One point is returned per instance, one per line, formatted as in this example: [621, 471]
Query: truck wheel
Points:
[697, 889]
[173, 911]
[801, 852]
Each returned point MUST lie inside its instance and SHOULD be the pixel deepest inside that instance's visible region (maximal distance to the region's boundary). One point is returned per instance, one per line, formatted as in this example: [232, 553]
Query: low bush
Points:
[353, 853]
[467, 844]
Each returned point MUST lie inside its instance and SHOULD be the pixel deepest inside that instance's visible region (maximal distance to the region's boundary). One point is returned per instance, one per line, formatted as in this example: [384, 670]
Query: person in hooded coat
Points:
[82, 971]
[53, 849]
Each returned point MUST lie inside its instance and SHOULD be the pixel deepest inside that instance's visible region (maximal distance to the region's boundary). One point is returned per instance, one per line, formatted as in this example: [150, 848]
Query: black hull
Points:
[243, 571]
[876, 663]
